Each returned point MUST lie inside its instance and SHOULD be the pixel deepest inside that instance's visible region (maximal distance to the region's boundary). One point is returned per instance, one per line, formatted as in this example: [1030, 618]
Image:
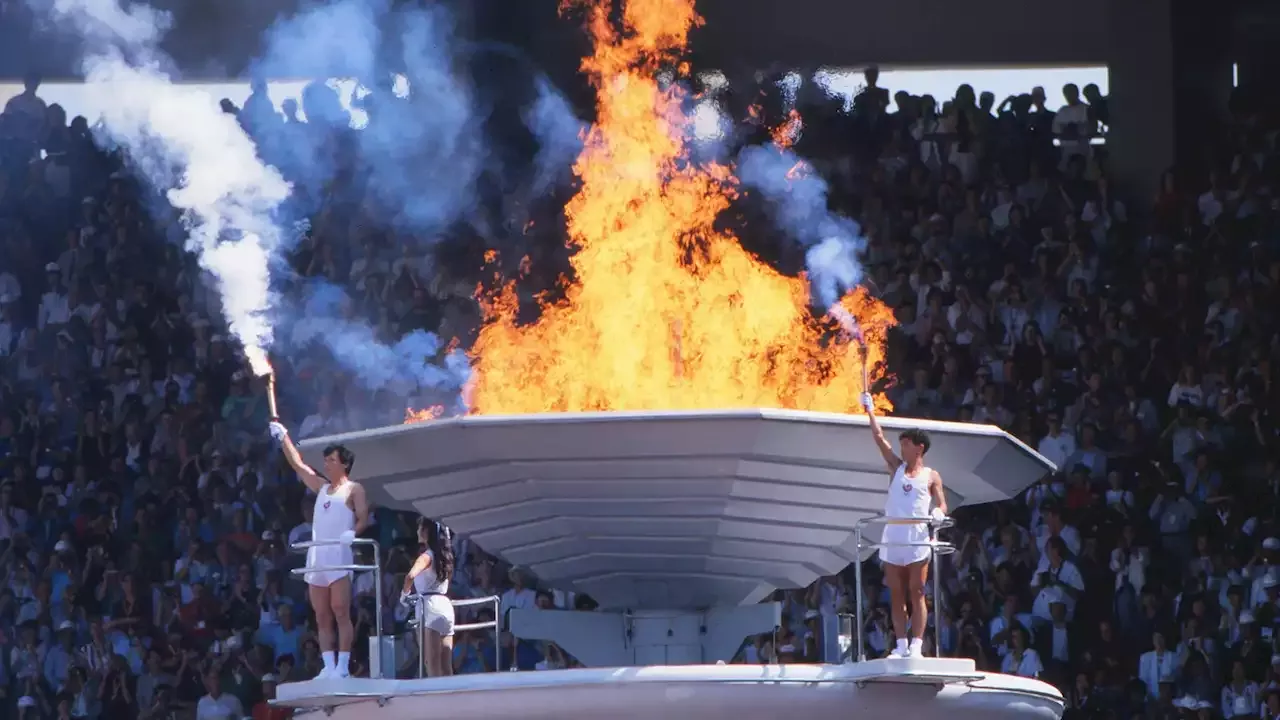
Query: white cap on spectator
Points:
[1269, 581]
[268, 535]
[1275, 659]
[1271, 543]
[268, 678]
[61, 546]
[51, 267]
[1246, 617]
[812, 615]
[1185, 702]
[66, 625]
[26, 701]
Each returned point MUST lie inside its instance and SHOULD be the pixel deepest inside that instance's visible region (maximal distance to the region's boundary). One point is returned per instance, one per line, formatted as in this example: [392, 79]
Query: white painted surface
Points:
[921, 689]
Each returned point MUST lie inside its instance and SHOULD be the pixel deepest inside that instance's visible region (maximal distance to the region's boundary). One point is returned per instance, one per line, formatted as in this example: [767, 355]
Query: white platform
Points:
[919, 689]
[668, 510]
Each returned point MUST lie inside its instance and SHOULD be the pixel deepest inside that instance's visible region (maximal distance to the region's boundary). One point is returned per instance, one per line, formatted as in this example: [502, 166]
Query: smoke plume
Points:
[182, 142]
[797, 199]
[420, 157]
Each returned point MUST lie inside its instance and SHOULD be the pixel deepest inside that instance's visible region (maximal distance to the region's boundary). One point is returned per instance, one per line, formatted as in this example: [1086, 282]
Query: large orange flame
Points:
[666, 312]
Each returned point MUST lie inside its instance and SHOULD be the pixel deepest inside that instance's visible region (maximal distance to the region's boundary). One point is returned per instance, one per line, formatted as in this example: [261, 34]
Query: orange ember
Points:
[666, 312]
[786, 134]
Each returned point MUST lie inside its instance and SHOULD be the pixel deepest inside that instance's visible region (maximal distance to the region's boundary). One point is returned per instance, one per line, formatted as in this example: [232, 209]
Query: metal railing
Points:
[375, 658]
[936, 547]
[420, 605]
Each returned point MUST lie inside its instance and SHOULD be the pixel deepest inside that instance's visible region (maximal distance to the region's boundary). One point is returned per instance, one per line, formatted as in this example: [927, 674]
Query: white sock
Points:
[344, 661]
[902, 646]
[328, 660]
[916, 644]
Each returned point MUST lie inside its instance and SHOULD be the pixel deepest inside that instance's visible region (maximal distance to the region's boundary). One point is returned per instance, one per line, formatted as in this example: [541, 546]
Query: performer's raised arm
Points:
[891, 458]
[308, 476]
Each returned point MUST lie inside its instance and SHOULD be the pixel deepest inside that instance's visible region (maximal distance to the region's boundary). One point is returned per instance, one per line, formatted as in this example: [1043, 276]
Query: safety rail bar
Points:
[937, 548]
[420, 602]
[376, 568]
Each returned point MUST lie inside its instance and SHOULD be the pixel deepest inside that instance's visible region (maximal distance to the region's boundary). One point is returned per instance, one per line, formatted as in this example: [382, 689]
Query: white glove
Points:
[347, 538]
[937, 515]
[278, 431]
[867, 403]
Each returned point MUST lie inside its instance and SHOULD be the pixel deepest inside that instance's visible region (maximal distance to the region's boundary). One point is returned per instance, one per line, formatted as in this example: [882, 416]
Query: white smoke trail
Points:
[181, 140]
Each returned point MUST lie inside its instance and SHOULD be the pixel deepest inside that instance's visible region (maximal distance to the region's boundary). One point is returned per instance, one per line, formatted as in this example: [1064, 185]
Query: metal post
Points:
[375, 568]
[936, 547]
[857, 588]
[422, 635]
[496, 600]
[377, 605]
[937, 597]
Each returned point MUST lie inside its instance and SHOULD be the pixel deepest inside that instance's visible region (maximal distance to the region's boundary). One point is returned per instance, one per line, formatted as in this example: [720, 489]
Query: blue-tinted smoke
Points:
[420, 155]
[416, 165]
[797, 198]
[417, 363]
[560, 134]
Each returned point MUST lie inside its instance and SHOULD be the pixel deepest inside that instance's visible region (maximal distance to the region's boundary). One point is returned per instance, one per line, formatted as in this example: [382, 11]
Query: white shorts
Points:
[439, 613]
[894, 554]
[327, 556]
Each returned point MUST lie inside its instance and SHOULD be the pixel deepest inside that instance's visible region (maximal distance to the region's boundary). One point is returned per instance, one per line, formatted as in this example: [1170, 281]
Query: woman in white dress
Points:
[429, 577]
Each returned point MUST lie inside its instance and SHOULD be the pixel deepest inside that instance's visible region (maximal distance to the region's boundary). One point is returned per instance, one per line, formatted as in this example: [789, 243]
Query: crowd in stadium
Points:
[145, 517]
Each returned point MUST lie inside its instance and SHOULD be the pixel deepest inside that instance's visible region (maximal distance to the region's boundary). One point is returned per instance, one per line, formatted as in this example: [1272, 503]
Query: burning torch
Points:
[849, 324]
[271, 395]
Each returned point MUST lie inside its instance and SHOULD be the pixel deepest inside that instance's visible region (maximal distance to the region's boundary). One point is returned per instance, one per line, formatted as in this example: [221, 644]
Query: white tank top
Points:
[332, 516]
[427, 582]
[909, 494]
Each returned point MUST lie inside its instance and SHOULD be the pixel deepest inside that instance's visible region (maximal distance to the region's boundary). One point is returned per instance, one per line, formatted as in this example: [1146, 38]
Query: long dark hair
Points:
[440, 543]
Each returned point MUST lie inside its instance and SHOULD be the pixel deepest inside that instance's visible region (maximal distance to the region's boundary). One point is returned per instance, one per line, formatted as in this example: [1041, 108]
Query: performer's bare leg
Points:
[340, 609]
[917, 576]
[896, 575]
[320, 604]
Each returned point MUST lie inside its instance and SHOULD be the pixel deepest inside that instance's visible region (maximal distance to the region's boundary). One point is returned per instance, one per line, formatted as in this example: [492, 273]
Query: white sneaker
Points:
[900, 652]
[325, 674]
[337, 674]
[915, 650]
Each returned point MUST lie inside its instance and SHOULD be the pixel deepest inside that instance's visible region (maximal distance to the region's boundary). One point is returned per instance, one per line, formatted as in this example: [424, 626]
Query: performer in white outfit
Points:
[429, 577]
[341, 514]
[915, 491]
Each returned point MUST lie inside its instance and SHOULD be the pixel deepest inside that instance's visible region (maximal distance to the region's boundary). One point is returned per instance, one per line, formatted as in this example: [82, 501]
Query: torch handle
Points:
[866, 377]
[271, 398]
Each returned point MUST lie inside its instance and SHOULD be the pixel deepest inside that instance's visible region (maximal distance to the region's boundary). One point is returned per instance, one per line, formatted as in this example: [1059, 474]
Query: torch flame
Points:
[666, 312]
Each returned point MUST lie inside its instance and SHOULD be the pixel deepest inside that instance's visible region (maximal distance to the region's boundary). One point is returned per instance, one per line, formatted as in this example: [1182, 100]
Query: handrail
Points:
[937, 548]
[376, 568]
[420, 602]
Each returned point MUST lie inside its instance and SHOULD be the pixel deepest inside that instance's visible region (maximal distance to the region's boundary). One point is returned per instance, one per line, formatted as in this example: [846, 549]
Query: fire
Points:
[435, 412]
[786, 134]
[666, 312]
